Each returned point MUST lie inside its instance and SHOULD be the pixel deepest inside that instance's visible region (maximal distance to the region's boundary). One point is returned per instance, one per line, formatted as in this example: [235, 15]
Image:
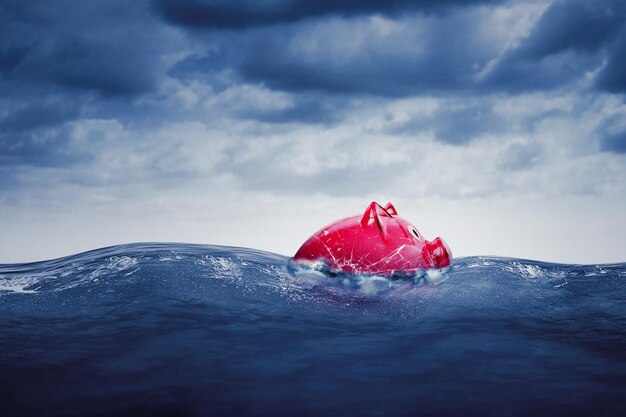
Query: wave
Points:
[223, 262]
[179, 329]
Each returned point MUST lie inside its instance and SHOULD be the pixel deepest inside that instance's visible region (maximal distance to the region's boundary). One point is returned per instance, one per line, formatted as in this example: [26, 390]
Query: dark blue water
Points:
[189, 330]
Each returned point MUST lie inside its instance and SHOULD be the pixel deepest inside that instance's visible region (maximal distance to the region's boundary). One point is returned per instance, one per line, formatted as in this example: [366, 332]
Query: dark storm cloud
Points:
[370, 73]
[10, 58]
[515, 74]
[572, 38]
[455, 122]
[306, 109]
[68, 60]
[43, 147]
[32, 125]
[613, 75]
[460, 125]
[240, 14]
[109, 48]
[64, 60]
[614, 142]
[579, 25]
[203, 67]
[34, 128]
[612, 134]
[36, 115]
[106, 68]
[321, 56]
[116, 48]
[431, 54]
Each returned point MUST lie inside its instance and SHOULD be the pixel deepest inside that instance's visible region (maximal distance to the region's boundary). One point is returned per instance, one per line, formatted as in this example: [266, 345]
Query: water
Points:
[191, 330]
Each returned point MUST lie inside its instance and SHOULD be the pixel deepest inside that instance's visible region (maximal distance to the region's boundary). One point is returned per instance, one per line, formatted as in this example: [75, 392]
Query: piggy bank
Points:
[379, 242]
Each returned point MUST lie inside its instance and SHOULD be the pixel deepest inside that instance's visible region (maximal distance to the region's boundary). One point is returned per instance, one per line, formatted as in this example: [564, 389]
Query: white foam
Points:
[224, 268]
[19, 284]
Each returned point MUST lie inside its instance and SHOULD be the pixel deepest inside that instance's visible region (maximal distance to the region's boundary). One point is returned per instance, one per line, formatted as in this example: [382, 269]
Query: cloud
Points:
[37, 115]
[455, 121]
[371, 53]
[10, 58]
[613, 132]
[63, 61]
[519, 154]
[571, 40]
[578, 25]
[111, 48]
[368, 55]
[612, 78]
[44, 147]
[243, 14]
[555, 154]
[142, 107]
[345, 48]
[110, 69]
[254, 102]
[615, 142]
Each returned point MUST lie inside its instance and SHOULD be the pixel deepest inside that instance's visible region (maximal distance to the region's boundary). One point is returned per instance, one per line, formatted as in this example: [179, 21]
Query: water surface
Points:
[199, 330]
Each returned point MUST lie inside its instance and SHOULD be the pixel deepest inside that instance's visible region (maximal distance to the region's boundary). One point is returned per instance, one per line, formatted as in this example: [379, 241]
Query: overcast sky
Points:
[498, 125]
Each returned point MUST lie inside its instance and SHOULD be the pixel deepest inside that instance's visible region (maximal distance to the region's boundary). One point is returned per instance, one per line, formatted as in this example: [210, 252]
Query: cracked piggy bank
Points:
[378, 242]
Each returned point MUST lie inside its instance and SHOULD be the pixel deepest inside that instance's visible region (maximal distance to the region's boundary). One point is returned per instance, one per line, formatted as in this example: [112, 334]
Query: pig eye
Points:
[413, 231]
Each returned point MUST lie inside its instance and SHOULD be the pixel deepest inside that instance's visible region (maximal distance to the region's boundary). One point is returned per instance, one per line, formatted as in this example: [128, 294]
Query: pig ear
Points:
[391, 210]
[372, 212]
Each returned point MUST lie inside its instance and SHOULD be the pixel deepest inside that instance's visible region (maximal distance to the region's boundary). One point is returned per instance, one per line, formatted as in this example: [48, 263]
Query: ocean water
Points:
[198, 330]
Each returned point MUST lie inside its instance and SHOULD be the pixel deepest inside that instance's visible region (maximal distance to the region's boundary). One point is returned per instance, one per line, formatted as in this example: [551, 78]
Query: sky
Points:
[497, 125]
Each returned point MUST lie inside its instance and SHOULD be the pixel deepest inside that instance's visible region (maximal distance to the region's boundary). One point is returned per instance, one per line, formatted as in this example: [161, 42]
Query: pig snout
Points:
[439, 252]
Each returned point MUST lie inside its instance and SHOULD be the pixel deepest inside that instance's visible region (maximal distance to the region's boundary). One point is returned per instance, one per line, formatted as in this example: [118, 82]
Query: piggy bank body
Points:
[378, 242]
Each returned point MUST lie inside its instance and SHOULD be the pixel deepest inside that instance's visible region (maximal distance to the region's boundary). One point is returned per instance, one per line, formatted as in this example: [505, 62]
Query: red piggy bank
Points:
[379, 242]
